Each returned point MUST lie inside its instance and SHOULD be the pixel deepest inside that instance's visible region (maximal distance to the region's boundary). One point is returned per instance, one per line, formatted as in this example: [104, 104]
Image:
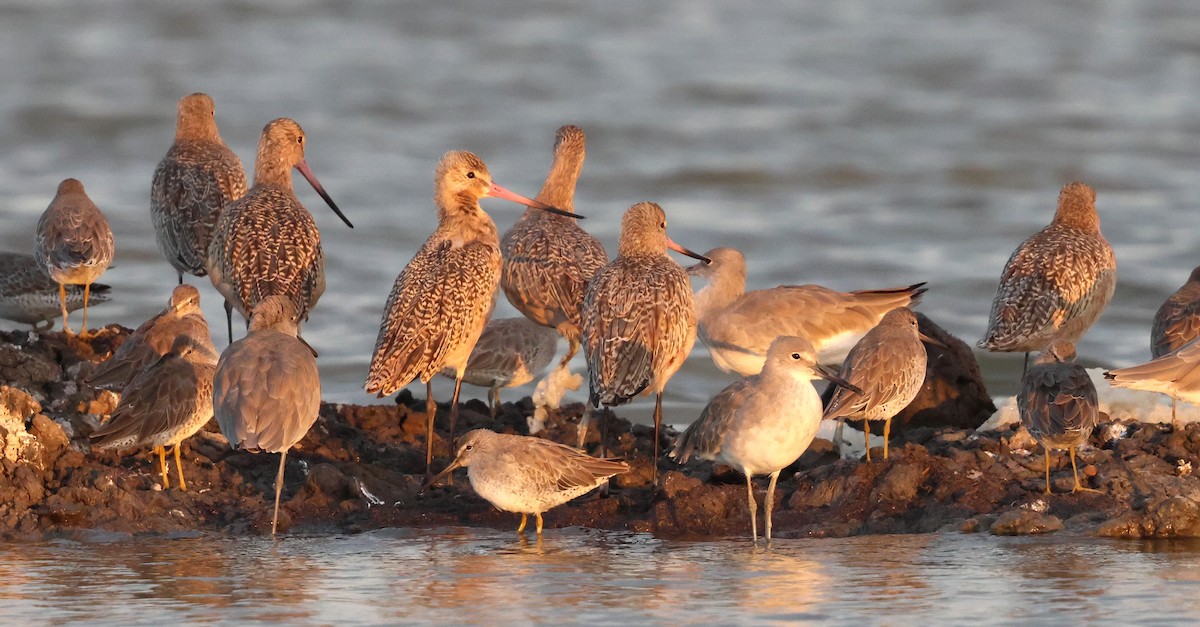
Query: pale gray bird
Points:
[764, 422]
[73, 244]
[267, 392]
[192, 185]
[1174, 374]
[443, 298]
[1058, 404]
[738, 326]
[181, 318]
[888, 367]
[639, 317]
[510, 352]
[525, 474]
[1057, 282]
[266, 243]
[549, 259]
[1177, 321]
[27, 295]
[165, 404]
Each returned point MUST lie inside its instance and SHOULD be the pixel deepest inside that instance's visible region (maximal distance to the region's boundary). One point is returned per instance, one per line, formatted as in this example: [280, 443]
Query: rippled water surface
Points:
[582, 576]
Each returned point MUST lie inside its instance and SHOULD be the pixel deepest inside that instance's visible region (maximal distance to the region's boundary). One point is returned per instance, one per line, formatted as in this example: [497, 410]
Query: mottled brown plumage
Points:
[266, 243]
[527, 475]
[888, 365]
[549, 259]
[154, 338]
[639, 318]
[267, 391]
[738, 326]
[1177, 321]
[165, 404]
[1057, 282]
[1058, 404]
[73, 244]
[509, 353]
[192, 185]
[443, 298]
[27, 295]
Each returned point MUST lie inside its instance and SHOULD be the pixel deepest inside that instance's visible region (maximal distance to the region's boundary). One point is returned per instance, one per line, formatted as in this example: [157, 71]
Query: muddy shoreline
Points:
[360, 468]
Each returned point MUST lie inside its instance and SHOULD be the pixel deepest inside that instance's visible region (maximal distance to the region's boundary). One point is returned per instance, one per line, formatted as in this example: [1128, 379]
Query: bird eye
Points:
[468, 447]
[662, 225]
[795, 355]
[470, 175]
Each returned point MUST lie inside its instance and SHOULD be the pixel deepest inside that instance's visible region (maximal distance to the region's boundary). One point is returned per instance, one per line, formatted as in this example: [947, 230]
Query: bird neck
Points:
[197, 129]
[723, 288]
[272, 170]
[559, 188]
[465, 221]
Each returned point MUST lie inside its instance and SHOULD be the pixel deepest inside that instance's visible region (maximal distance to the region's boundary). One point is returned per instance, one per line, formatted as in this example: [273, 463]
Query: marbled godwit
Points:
[1057, 282]
[192, 185]
[1177, 321]
[73, 244]
[527, 475]
[27, 295]
[761, 424]
[510, 352]
[738, 326]
[1058, 404]
[164, 405]
[548, 259]
[154, 338]
[888, 367]
[267, 392]
[267, 243]
[442, 299]
[639, 319]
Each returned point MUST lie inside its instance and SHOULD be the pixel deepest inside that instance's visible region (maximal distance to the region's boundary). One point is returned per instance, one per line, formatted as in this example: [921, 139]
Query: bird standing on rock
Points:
[525, 474]
[73, 244]
[763, 423]
[192, 185]
[27, 295]
[1057, 282]
[1058, 404]
[549, 259]
[639, 317]
[443, 298]
[888, 367]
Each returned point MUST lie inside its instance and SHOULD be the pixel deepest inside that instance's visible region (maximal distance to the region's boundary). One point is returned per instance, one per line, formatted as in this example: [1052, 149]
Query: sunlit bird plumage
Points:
[73, 244]
[28, 295]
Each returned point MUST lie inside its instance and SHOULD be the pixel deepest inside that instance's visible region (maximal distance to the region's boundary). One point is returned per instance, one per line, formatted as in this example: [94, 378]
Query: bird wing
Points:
[266, 391]
[619, 332]
[1058, 398]
[706, 435]
[162, 397]
[884, 371]
[1176, 323]
[568, 467]
[545, 276]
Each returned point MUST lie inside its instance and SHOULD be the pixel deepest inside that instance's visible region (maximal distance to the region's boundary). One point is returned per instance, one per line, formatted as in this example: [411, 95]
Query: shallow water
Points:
[586, 576]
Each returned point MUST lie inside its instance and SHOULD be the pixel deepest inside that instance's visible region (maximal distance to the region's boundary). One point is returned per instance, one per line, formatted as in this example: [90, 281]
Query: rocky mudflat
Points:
[361, 467]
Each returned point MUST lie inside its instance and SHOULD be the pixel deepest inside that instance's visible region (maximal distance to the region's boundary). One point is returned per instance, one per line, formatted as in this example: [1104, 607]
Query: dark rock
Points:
[953, 395]
[1022, 522]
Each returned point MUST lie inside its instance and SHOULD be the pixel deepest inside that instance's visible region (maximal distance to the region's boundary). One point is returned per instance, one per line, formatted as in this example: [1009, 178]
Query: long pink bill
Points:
[683, 251]
[499, 192]
[312, 180]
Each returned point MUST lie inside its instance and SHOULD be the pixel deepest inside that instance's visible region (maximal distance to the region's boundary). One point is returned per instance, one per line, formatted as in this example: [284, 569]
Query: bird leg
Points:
[887, 434]
[62, 297]
[179, 468]
[1174, 421]
[1025, 367]
[162, 465]
[581, 430]
[494, 400]
[87, 293]
[867, 437]
[770, 504]
[1046, 450]
[430, 411]
[657, 426]
[521, 527]
[604, 420]
[278, 490]
[453, 421]
[539, 524]
[572, 348]
[229, 319]
[753, 505]
[1078, 486]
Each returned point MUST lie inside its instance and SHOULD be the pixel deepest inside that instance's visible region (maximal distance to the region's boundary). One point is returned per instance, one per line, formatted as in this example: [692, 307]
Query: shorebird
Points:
[73, 244]
[443, 298]
[763, 423]
[154, 338]
[192, 185]
[525, 474]
[639, 319]
[1058, 404]
[266, 242]
[1174, 374]
[549, 259]
[888, 367]
[164, 405]
[1057, 282]
[509, 353]
[738, 326]
[267, 392]
[1177, 321]
[27, 295]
